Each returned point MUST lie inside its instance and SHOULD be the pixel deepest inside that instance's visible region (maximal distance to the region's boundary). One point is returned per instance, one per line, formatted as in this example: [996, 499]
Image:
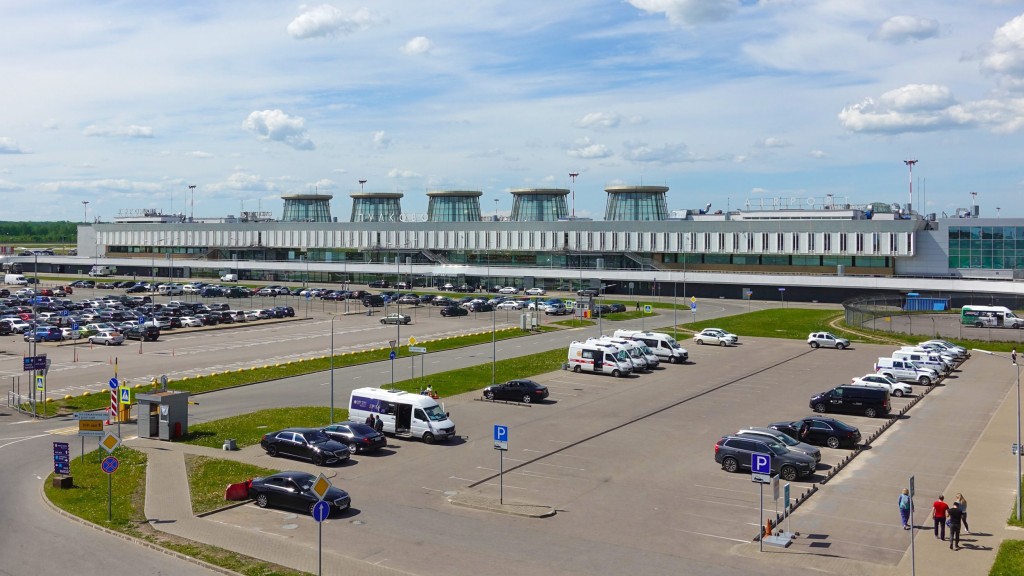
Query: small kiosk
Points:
[163, 415]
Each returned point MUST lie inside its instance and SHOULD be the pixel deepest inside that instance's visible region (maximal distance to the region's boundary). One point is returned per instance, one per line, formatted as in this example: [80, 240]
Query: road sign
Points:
[775, 488]
[647, 308]
[75, 334]
[109, 464]
[393, 355]
[782, 289]
[418, 349]
[90, 415]
[64, 312]
[693, 299]
[911, 486]
[112, 383]
[693, 306]
[40, 382]
[785, 495]
[61, 458]
[321, 510]
[321, 486]
[110, 441]
[126, 396]
[500, 437]
[74, 325]
[412, 340]
[142, 319]
[91, 427]
[393, 343]
[34, 362]
[761, 467]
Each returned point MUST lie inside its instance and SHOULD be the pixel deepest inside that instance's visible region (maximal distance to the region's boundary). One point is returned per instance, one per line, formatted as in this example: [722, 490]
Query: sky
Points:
[735, 103]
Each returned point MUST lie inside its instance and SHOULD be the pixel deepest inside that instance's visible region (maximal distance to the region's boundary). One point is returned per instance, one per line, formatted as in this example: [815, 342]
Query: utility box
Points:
[163, 415]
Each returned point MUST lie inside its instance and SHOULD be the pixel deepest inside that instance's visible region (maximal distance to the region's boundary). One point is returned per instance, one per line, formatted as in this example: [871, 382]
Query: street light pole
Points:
[333, 316]
[192, 216]
[1013, 358]
[85, 211]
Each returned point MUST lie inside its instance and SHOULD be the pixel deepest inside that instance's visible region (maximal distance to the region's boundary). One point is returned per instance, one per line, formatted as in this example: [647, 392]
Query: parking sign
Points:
[761, 467]
[500, 437]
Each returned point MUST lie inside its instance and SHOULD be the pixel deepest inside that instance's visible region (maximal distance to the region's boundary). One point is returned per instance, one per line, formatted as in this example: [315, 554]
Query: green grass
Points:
[88, 498]
[1009, 560]
[208, 478]
[793, 323]
[248, 429]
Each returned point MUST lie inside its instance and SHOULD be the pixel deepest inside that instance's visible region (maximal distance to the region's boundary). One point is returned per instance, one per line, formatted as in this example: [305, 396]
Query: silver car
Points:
[783, 438]
[827, 340]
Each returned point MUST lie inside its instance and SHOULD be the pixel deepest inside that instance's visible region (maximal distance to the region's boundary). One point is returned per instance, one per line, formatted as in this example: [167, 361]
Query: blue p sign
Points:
[500, 433]
[760, 463]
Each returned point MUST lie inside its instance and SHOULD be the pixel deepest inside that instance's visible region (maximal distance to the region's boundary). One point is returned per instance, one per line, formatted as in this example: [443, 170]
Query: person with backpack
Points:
[905, 504]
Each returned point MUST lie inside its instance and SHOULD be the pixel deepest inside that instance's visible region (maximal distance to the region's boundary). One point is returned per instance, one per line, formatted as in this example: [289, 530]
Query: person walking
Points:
[939, 508]
[955, 515]
[378, 425]
[963, 511]
[905, 504]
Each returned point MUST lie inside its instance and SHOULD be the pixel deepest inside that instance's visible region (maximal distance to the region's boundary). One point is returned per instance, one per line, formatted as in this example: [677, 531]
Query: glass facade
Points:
[630, 203]
[382, 207]
[539, 205]
[987, 247]
[307, 208]
[453, 207]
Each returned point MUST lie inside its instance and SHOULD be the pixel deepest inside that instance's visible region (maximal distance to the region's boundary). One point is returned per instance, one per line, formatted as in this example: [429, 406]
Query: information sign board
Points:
[61, 458]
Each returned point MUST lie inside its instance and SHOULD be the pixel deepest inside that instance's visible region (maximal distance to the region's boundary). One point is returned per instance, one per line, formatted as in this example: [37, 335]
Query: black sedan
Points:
[518, 390]
[454, 311]
[821, 431]
[359, 437]
[306, 443]
[294, 490]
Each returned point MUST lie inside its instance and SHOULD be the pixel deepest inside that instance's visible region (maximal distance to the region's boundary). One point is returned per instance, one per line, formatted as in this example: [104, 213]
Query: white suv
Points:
[894, 387]
[827, 340]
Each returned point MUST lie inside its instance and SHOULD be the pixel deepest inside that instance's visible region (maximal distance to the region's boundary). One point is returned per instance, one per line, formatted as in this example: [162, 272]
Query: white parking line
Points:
[712, 535]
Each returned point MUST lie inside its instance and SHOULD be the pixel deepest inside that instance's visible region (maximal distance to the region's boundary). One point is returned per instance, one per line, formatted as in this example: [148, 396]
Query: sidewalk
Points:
[169, 509]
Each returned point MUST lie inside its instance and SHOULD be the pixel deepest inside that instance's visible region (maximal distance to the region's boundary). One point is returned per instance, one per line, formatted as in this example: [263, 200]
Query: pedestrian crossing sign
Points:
[126, 396]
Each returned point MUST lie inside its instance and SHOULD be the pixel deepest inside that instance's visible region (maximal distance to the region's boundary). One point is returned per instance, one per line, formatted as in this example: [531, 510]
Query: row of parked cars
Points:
[625, 352]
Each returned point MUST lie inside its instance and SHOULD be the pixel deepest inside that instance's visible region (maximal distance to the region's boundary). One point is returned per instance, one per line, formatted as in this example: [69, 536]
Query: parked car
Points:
[409, 300]
[557, 309]
[107, 338]
[735, 452]
[306, 443]
[396, 319]
[144, 332]
[783, 438]
[294, 490]
[588, 292]
[827, 340]
[44, 334]
[379, 284]
[820, 430]
[360, 438]
[190, 322]
[509, 290]
[510, 305]
[525, 391]
[454, 311]
[894, 387]
[870, 401]
[715, 336]
[536, 292]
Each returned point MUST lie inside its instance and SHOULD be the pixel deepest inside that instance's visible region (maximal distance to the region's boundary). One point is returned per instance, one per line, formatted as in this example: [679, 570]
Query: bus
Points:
[990, 317]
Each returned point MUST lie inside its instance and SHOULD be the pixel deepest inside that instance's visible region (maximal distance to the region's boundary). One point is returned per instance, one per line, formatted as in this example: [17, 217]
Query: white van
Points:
[15, 280]
[170, 290]
[229, 278]
[906, 371]
[591, 357]
[404, 414]
[100, 271]
[663, 345]
[949, 361]
[922, 360]
[634, 356]
[636, 351]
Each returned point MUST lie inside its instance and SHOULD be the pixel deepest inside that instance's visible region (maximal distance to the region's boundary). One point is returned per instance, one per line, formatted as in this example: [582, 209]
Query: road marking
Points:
[462, 479]
[512, 487]
[560, 466]
[62, 431]
[712, 535]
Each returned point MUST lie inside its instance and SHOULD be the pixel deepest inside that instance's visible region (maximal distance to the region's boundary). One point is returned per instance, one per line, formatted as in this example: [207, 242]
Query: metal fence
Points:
[888, 313]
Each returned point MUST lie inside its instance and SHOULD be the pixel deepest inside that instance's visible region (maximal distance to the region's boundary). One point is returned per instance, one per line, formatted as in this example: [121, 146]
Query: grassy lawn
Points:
[1009, 560]
[88, 498]
[248, 429]
[793, 323]
[209, 477]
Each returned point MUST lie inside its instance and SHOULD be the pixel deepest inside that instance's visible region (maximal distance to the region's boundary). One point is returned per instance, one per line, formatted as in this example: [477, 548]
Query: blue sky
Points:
[126, 104]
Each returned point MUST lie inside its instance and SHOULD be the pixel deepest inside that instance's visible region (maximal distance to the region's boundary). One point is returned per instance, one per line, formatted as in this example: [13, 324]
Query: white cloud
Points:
[740, 158]
[689, 12]
[132, 131]
[104, 184]
[817, 154]
[758, 190]
[381, 140]
[584, 148]
[599, 120]
[417, 45]
[929, 107]
[396, 173]
[198, 154]
[771, 142]
[664, 154]
[1004, 55]
[9, 186]
[900, 29]
[244, 181]
[277, 126]
[326, 20]
[10, 146]
[51, 124]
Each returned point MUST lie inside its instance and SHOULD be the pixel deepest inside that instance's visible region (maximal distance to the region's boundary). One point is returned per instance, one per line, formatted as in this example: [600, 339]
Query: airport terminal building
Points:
[811, 249]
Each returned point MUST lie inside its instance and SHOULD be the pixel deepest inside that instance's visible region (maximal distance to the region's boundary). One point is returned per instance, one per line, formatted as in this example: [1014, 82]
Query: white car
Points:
[192, 289]
[509, 290]
[190, 322]
[895, 388]
[448, 286]
[827, 340]
[536, 292]
[715, 336]
[107, 338]
[18, 325]
[25, 292]
[510, 305]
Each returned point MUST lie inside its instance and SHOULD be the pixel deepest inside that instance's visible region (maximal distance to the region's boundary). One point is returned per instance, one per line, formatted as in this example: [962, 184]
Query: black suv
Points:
[148, 333]
[735, 453]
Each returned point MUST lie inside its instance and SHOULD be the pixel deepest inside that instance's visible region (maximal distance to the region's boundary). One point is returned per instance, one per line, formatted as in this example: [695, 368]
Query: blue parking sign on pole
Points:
[64, 312]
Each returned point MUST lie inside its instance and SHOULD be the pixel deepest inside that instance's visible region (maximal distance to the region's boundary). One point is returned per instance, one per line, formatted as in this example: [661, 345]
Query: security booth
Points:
[163, 415]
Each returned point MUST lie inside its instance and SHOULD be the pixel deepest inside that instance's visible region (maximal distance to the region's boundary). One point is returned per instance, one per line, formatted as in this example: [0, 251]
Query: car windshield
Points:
[316, 437]
[777, 448]
[361, 429]
[435, 414]
[305, 481]
[785, 439]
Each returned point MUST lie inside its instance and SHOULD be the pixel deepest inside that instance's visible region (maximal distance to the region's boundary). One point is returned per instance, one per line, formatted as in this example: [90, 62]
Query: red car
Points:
[45, 292]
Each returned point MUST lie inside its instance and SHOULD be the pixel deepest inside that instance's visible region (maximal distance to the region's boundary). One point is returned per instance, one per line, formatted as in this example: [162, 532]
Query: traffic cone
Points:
[767, 528]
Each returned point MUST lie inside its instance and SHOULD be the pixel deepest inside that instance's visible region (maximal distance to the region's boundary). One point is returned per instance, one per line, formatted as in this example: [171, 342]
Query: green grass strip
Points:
[208, 478]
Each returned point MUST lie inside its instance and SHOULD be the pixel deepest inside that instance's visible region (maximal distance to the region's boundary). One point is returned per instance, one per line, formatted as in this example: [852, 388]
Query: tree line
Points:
[17, 233]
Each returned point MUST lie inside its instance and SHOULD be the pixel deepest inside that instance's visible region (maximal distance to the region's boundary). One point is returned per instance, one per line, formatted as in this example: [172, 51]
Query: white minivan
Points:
[15, 280]
[404, 414]
[663, 345]
[637, 350]
[590, 357]
[926, 359]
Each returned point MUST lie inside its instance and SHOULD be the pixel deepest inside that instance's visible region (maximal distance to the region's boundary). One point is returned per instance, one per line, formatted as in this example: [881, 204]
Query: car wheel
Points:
[354, 448]
[312, 505]
[527, 399]
[615, 373]
[978, 325]
[729, 464]
[814, 344]
[262, 501]
[428, 438]
[489, 395]
[871, 412]
[819, 407]
[788, 473]
[272, 451]
[107, 343]
[926, 381]
[700, 342]
[671, 359]
[840, 346]
[897, 393]
[576, 368]
[722, 342]
[832, 442]
[318, 459]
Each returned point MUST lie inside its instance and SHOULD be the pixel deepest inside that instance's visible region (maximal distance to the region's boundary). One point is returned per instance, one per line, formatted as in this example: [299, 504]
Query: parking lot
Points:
[628, 465]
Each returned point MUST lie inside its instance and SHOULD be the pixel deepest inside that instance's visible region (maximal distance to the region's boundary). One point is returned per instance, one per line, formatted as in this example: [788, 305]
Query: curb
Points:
[544, 511]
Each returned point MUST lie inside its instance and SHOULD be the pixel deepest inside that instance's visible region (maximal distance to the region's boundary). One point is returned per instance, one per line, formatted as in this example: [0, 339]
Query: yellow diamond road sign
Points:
[110, 441]
[321, 486]
[412, 341]
[693, 298]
